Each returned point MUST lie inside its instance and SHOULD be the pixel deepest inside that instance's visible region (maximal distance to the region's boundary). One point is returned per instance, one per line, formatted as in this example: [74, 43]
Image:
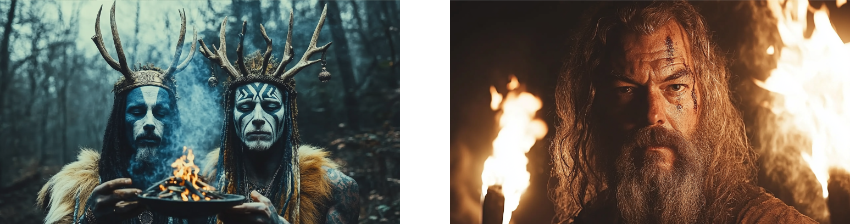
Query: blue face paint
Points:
[149, 117]
[259, 114]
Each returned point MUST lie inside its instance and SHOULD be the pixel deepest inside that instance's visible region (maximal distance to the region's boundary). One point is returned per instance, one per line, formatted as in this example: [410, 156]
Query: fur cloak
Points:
[72, 186]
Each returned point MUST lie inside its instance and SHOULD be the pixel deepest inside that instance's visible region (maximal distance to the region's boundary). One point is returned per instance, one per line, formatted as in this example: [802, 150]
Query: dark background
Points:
[492, 40]
[55, 88]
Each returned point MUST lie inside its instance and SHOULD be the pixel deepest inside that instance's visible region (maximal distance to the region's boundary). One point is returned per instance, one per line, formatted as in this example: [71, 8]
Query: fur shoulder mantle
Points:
[60, 194]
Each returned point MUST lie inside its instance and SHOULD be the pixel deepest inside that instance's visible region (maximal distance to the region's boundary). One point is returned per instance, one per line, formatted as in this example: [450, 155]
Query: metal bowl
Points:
[190, 209]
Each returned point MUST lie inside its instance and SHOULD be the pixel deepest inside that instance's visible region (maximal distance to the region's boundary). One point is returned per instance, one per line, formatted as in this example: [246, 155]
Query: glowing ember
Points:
[185, 185]
[812, 79]
[519, 130]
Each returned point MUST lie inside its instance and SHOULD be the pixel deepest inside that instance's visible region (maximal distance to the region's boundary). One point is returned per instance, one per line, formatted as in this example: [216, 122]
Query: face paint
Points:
[258, 115]
[670, 51]
[694, 96]
[148, 117]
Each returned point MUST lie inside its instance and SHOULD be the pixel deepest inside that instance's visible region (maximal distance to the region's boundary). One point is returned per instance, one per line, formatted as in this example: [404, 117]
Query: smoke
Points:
[200, 116]
[466, 168]
[200, 110]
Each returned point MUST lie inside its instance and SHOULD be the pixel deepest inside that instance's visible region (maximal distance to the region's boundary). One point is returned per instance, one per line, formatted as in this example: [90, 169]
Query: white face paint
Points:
[258, 115]
[148, 112]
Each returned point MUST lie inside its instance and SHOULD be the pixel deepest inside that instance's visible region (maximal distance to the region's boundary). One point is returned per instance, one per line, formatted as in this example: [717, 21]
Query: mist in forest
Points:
[56, 89]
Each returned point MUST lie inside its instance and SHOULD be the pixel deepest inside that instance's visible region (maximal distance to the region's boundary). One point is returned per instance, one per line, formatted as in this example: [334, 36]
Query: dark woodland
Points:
[55, 88]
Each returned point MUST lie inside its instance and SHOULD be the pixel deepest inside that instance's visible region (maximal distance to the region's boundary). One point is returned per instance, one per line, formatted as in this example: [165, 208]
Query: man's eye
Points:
[677, 87]
[244, 107]
[625, 90]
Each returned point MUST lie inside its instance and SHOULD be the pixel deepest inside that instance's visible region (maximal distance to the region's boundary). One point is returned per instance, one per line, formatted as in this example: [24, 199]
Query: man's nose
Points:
[656, 112]
[149, 127]
[258, 116]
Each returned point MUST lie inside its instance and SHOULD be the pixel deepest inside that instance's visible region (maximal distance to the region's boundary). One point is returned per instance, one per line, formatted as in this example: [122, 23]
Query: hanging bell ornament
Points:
[212, 81]
[324, 76]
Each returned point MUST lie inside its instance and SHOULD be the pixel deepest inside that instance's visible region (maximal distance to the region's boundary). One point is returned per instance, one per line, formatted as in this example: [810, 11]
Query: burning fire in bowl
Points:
[185, 195]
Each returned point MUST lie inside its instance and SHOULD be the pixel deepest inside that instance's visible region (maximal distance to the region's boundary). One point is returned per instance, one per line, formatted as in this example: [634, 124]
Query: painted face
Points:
[259, 115]
[149, 117]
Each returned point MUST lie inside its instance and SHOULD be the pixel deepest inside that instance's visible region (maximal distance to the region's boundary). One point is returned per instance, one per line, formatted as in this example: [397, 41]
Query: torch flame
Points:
[813, 81]
[519, 131]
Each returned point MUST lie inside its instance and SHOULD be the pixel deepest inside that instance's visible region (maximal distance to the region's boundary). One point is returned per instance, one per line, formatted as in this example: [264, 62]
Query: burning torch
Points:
[505, 177]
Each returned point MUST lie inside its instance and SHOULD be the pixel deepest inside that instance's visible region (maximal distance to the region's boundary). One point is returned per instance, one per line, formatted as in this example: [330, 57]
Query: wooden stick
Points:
[193, 190]
[202, 184]
[175, 188]
[165, 194]
[493, 205]
[155, 186]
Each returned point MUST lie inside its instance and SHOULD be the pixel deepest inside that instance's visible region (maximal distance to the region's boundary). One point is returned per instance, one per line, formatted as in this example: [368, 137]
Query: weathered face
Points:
[653, 85]
[259, 115]
[651, 107]
[149, 117]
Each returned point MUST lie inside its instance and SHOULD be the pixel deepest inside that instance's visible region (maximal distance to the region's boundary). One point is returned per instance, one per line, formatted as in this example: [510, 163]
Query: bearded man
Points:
[261, 155]
[647, 132]
[101, 187]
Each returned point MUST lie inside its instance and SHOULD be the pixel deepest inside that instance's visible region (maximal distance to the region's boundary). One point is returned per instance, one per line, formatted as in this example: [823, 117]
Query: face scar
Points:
[679, 106]
[694, 96]
[693, 90]
[670, 51]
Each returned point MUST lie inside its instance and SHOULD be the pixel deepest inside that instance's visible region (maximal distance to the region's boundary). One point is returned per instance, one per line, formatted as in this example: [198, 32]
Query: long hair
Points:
[285, 192]
[583, 170]
[116, 153]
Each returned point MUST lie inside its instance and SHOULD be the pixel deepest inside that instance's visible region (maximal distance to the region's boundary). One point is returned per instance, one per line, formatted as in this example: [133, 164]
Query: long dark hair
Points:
[285, 192]
[582, 171]
[116, 153]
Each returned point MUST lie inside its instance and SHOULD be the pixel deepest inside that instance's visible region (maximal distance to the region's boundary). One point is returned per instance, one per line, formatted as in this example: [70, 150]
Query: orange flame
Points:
[185, 169]
[813, 81]
[519, 131]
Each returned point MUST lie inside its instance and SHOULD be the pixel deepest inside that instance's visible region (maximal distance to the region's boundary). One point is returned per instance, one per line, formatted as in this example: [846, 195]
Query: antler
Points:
[240, 59]
[121, 64]
[220, 54]
[312, 49]
[173, 68]
[287, 50]
[268, 53]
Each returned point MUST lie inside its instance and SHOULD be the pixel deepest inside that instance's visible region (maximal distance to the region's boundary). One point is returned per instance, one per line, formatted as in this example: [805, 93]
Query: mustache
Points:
[657, 136]
[149, 136]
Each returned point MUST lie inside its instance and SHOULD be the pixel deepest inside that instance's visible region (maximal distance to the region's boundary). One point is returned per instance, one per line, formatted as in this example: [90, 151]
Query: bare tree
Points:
[343, 58]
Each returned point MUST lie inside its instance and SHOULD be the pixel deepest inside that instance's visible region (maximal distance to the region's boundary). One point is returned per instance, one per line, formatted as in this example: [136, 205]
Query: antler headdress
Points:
[146, 76]
[286, 194]
[263, 74]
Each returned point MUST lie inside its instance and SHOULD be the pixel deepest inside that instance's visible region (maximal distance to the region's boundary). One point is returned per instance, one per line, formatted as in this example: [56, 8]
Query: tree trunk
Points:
[251, 12]
[4, 52]
[389, 26]
[136, 40]
[5, 71]
[343, 57]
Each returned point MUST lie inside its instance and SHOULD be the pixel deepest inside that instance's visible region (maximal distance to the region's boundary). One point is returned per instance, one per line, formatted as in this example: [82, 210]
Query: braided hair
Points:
[285, 190]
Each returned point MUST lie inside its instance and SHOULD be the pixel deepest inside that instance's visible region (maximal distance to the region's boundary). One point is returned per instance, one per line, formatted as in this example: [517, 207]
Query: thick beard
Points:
[144, 166]
[647, 193]
[145, 154]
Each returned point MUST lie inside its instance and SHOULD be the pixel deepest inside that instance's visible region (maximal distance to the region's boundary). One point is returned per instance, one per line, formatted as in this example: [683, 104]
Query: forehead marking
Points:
[258, 91]
[149, 93]
[670, 51]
